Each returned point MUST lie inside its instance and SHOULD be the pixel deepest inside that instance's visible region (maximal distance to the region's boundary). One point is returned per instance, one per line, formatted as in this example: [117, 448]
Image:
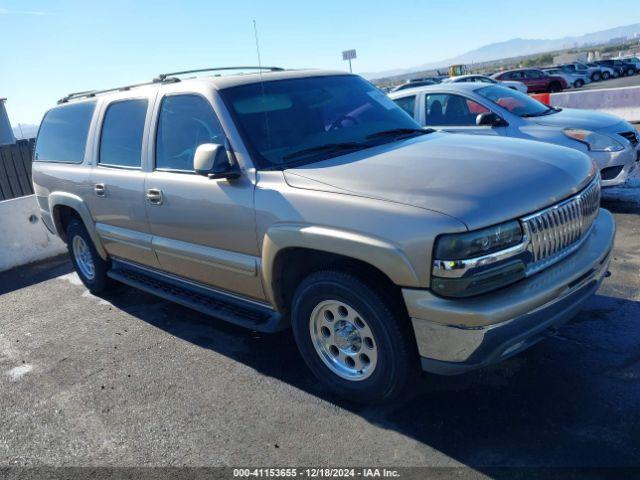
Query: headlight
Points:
[472, 263]
[596, 142]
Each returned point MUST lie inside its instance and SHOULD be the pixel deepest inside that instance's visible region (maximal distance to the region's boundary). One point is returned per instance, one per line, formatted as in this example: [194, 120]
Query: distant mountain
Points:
[517, 47]
[25, 131]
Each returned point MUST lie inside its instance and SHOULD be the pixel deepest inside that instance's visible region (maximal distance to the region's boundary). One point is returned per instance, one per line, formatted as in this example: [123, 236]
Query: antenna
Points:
[266, 115]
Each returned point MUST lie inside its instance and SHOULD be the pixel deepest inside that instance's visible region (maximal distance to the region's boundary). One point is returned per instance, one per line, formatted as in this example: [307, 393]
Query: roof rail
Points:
[163, 76]
[93, 93]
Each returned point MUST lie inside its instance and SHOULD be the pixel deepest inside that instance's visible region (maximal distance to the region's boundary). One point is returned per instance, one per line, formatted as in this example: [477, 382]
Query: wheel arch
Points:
[63, 206]
[290, 252]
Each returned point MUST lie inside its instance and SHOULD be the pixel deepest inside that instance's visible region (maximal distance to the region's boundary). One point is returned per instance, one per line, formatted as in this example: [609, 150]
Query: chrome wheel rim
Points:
[343, 340]
[83, 257]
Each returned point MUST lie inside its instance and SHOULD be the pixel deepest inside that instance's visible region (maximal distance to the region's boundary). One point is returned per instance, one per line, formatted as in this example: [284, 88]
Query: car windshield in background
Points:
[309, 119]
[516, 102]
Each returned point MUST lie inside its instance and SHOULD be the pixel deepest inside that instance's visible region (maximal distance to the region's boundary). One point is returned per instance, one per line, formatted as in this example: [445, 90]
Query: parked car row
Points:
[540, 80]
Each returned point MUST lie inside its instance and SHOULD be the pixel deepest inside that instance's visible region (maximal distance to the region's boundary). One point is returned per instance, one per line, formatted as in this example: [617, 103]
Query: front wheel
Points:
[578, 83]
[89, 266]
[606, 76]
[353, 339]
[596, 77]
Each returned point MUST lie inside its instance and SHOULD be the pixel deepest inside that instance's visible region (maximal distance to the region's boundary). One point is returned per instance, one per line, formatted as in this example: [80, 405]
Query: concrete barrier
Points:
[23, 237]
[623, 102]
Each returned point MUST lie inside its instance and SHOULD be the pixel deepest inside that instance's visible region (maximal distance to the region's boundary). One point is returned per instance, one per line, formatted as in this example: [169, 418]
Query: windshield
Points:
[516, 102]
[313, 118]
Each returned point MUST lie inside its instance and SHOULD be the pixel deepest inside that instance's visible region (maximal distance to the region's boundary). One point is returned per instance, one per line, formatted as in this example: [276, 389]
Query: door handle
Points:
[154, 195]
[100, 189]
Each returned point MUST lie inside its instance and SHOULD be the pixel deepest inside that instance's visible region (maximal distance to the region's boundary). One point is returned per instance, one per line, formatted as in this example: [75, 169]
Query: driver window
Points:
[453, 110]
[185, 122]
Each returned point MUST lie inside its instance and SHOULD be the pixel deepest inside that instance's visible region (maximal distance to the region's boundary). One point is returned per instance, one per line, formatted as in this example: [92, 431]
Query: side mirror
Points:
[212, 160]
[489, 119]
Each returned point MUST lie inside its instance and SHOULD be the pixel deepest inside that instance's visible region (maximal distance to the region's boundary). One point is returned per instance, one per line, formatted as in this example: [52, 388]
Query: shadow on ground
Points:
[570, 401]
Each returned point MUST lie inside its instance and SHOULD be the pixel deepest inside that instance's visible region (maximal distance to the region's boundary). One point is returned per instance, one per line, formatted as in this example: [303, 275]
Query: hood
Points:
[479, 180]
[574, 118]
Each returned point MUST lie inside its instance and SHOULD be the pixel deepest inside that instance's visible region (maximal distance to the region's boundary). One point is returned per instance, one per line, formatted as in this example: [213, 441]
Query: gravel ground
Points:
[131, 380]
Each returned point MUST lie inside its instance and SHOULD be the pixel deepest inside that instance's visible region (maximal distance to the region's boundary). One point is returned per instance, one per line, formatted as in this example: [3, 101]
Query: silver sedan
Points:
[481, 109]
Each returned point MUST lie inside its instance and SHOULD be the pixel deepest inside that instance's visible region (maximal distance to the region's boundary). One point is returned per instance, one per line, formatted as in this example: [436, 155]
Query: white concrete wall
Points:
[623, 102]
[23, 237]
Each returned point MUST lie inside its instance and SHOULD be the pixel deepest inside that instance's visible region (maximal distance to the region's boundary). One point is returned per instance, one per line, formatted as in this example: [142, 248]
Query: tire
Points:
[631, 71]
[89, 266]
[555, 87]
[363, 322]
[596, 77]
[578, 84]
[606, 75]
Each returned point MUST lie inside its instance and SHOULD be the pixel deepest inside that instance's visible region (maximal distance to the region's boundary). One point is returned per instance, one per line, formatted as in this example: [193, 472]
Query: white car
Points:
[573, 79]
[521, 87]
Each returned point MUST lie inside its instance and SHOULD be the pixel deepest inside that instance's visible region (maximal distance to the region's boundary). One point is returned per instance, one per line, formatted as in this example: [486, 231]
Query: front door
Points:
[455, 114]
[117, 180]
[203, 229]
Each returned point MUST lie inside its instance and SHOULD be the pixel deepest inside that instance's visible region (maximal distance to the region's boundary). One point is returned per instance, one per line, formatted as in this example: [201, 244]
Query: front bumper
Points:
[456, 335]
[627, 158]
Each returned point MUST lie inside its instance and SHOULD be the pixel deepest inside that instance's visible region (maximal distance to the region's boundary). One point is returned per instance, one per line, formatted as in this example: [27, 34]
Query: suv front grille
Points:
[631, 136]
[557, 231]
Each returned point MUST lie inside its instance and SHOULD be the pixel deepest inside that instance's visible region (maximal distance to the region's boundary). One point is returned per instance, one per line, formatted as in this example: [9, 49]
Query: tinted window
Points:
[533, 74]
[122, 130]
[63, 133]
[186, 122]
[445, 109]
[408, 104]
[516, 102]
[279, 119]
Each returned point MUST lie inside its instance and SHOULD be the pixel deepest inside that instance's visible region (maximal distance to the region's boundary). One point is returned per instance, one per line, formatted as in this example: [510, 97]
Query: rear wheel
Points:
[631, 71]
[89, 266]
[596, 77]
[606, 75]
[578, 83]
[352, 338]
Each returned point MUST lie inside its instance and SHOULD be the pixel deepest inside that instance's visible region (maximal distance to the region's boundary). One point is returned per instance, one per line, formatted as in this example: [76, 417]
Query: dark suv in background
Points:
[535, 79]
[621, 68]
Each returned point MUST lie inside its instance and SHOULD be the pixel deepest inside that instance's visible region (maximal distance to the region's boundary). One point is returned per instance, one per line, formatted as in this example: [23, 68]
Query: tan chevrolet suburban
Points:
[309, 199]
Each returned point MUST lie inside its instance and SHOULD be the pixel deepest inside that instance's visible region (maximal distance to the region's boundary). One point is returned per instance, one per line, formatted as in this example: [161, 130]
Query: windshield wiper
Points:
[326, 148]
[548, 111]
[400, 132]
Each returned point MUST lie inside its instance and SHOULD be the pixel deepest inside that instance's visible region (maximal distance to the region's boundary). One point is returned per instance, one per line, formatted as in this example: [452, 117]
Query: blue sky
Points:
[53, 47]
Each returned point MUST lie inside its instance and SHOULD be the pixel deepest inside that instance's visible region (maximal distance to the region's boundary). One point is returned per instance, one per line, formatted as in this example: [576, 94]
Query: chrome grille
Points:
[557, 231]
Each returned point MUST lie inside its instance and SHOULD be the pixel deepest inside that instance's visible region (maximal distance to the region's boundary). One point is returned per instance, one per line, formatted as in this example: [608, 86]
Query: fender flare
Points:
[385, 256]
[75, 202]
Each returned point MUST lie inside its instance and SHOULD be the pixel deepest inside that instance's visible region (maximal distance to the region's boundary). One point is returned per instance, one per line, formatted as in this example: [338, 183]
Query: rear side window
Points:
[63, 133]
[185, 123]
[121, 136]
[408, 104]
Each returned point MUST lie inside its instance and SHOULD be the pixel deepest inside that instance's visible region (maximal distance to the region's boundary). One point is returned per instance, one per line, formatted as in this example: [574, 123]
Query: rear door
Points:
[455, 113]
[536, 80]
[117, 179]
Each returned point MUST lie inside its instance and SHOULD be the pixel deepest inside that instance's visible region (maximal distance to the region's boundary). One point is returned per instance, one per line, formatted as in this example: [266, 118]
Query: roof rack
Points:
[163, 76]
[93, 93]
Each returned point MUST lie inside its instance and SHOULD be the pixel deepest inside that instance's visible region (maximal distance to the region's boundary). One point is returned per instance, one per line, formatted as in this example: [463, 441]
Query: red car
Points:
[535, 79]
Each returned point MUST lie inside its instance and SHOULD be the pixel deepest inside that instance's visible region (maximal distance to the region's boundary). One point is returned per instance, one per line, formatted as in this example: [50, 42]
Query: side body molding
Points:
[73, 201]
[383, 255]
